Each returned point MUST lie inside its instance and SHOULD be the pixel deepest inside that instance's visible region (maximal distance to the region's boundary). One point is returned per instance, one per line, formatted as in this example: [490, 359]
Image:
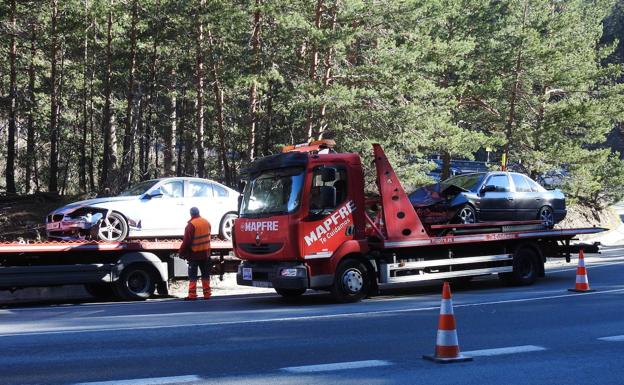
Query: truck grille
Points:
[263, 248]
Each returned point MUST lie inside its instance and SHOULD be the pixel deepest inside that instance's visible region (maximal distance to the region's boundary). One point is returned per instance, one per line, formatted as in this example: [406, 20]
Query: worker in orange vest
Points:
[195, 249]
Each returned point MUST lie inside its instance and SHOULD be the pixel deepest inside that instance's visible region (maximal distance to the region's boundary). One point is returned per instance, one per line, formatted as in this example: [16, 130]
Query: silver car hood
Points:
[96, 202]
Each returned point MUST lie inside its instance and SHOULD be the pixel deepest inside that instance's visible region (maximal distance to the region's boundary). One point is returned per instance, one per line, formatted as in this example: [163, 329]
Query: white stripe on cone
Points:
[447, 338]
[446, 307]
[582, 279]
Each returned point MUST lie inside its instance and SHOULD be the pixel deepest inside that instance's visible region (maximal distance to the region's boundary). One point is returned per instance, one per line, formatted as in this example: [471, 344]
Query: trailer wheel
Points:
[290, 293]
[136, 283]
[525, 268]
[102, 290]
[352, 281]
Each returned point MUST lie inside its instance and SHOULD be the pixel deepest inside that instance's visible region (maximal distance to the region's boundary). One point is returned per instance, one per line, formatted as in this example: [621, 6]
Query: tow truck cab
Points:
[300, 213]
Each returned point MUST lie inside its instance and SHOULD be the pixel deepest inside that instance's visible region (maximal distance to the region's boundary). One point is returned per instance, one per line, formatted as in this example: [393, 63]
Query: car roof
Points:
[188, 178]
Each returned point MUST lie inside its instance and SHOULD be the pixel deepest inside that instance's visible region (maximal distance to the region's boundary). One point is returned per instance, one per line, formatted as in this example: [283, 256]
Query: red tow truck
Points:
[128, 270]
[306, 223]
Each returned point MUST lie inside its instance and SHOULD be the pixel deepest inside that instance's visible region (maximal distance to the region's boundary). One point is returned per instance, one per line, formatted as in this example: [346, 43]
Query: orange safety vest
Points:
[201, 240]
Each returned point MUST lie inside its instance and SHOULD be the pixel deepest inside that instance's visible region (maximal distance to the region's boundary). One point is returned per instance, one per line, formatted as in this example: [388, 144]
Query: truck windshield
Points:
[273, 192]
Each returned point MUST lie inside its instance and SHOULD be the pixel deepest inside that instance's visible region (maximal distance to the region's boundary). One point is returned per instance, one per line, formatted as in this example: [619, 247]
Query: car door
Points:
[497, 204]
[524, 198]
[165, 215]
[201, 195]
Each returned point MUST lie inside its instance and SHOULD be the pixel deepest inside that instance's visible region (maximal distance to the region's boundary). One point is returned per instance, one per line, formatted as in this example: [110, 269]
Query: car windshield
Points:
[273, 192]
[468, 182]
[139, 188]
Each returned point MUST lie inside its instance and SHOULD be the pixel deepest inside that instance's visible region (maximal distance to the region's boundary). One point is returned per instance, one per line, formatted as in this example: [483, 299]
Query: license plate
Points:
[261, 284]
[247, 274]
[53, 225]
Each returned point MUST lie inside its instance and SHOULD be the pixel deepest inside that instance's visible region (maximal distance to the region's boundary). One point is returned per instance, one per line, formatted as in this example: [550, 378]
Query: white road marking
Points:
[148, 381]
[303, 318]
[501, 351]
[612, 338]
[336, 366]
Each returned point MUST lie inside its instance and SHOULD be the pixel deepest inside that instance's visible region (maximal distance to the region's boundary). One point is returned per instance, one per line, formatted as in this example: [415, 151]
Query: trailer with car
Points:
[305, 222]
[127, 270]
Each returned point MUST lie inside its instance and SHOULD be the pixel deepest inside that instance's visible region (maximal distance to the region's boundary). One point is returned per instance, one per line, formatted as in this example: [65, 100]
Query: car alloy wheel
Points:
[466, 215]
[113, 228]
[546, 216]
[227, 226]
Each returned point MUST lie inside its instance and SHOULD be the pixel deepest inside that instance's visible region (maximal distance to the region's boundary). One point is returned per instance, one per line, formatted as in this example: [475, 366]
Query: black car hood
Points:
[433, 194]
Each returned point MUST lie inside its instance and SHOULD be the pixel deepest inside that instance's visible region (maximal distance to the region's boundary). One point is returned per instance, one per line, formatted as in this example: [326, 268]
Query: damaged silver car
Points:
[154, 208]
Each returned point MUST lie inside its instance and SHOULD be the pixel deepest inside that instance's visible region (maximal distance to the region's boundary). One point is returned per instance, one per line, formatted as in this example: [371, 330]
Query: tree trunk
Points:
[147, 141]
[109, 158]
[128, 142]
[10, 161]
[314, 65]
[82, 172]
[329, 57]
[54, 135]
[219, 104]
[253, 89]
[30, 131]
[199, 102]
[269, 121]
[170, 132]
[513, 98]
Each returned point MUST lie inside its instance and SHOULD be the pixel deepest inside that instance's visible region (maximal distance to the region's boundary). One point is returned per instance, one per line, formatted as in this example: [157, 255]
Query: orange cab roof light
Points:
[313, 146]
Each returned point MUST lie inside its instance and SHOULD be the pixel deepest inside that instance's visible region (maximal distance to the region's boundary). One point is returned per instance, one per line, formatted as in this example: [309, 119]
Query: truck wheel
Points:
[352, 281]
[290, 293]
[100, 290]
[525, 268]
[136, 283]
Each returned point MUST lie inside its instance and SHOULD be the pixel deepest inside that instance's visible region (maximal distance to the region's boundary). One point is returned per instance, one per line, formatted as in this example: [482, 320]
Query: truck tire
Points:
[352, 281]
[290, 293]
[102, 290]
[525, 268]
[137, 282]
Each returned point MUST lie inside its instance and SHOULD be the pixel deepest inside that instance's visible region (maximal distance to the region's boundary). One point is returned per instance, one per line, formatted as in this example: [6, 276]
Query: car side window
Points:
[173, 189]
[200, 190]
[501, 182]
[220, 191]
[521, 183]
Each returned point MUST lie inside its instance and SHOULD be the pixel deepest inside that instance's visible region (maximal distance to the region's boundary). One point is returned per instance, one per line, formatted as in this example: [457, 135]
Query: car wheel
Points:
[466, 215]
[113, 228]
[546, 215]
[227, 226]
[290, 293]
[351, 282]
[136, 283]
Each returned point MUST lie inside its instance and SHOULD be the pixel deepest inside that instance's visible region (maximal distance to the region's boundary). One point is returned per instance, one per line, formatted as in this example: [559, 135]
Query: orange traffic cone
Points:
[582, 282]
[447, 347]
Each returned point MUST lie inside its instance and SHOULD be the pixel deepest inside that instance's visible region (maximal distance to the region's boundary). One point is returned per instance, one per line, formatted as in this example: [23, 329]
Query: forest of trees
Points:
[99, 94]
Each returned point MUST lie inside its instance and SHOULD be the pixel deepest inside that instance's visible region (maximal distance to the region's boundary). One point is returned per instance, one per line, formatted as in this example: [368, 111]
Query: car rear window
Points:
[535, 187]
[522, 185]
[220, 191]
[200, 190]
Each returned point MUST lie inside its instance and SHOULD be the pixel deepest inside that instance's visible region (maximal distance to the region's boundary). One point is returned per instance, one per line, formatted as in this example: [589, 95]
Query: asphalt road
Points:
[540, 334]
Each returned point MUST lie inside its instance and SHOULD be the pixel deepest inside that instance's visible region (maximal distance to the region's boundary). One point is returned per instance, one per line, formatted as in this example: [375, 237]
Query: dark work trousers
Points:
[205, 265]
